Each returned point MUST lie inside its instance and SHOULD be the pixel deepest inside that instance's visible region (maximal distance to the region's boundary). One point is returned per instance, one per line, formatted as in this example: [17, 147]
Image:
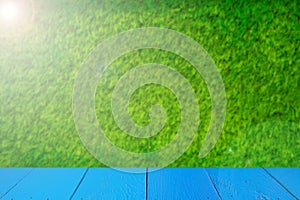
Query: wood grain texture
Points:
[288, 177]
[10, 178]
[106, 183]
[247, 184]
[180, 183]
[168, 183]
[47, 184]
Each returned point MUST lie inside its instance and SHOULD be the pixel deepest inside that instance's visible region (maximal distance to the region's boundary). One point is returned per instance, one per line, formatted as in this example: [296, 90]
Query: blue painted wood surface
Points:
[168, 183]
[247, 184]
[10, 178]
[43, 184]
[109, 183]
[289, 178]
[180, 183]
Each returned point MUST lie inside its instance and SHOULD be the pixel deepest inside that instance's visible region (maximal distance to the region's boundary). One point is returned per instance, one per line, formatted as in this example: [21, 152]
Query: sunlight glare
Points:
[9, 11]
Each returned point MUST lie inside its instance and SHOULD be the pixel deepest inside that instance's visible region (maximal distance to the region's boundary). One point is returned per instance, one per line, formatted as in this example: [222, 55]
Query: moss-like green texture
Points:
[255, 45]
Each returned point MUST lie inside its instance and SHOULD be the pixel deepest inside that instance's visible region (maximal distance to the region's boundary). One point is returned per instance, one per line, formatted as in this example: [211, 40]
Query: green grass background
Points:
[255, 45]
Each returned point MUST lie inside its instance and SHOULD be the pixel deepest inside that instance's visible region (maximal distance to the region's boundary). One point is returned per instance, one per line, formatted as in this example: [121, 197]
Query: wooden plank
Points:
[180, 183]
[254, 183]
[48, 183]
[107, 183]
[288, 177]
[10, 178]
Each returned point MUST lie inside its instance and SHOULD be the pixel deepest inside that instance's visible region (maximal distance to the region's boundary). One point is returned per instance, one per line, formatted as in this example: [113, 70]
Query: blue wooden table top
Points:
[168, 183]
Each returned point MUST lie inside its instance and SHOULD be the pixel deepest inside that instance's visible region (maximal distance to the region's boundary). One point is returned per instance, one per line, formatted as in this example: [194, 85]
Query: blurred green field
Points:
[255, 45]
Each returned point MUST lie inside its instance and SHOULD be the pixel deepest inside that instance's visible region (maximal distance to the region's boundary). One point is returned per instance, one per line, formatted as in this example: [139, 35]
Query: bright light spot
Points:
[16, 17]
[9, 11]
